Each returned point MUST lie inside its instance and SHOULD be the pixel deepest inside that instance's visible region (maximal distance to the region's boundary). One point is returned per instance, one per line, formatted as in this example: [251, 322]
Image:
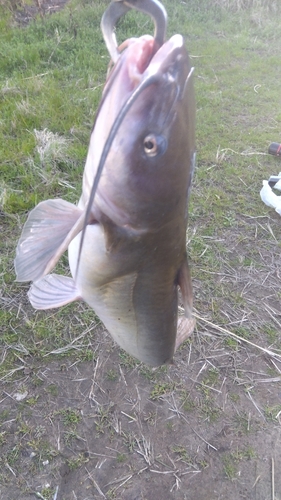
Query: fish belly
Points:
[135, 307]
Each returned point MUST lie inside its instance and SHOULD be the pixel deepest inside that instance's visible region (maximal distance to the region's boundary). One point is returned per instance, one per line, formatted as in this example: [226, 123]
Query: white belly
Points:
[103, 288]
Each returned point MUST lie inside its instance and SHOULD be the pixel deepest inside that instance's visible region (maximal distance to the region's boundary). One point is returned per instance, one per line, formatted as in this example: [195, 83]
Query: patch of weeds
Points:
[203, 464]
[32, 401]
[147, 372]
[102, 420]
[129, 440]
[243, 332]
[181, 452]
[162, 370]
[246, 454]
[160, 389]
[229, 467]
[208, 408]
[127, 361]
[231, 342]
[24, 428]
[87, 355]
[170, 425]
[2, 438]
[69, 437]
[121, 457]
[4, 415]
[242, 423]
[37, 381]
[13, 455]
[272, 412]
[53, 389]
[207, 404]
[231, 461]
[112, 375]
[272, 333]
[187, 404]
[229, 220]
[111, 494]
[151, 417]
[234, 397]
[47, 493]
[70, 417]
[211, 377]
[76, 462]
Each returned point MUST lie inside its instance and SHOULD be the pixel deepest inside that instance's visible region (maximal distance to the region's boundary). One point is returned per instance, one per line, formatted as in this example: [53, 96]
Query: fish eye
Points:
[154, 145]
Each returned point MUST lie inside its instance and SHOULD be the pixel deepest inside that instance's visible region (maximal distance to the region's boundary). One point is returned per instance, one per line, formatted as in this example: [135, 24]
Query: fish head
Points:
[147, 170]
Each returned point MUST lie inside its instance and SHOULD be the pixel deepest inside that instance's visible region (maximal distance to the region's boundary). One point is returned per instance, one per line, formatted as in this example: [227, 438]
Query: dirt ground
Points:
[107, 428]
[205, 428]
[24, 12]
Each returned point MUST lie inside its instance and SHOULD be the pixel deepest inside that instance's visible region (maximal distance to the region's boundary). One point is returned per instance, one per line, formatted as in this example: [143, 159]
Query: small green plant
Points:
[170, 425]
[23, 428]
[2, 438]
[102, 419]
[187, 404]
[112, 375]
[209, 410]
[126, 360]
[160, 389]
[212, 376]
[272, 412]
[47, 493]
[70, 417]
[151, 417]
[229, 467]
[231, 461]
[33, 400]
[121, 457]
[76, 462]
[234, 397]
[147, 372]
[13, 455]
[181, 452]
[53, 389]
[242, 423]
[4, 414]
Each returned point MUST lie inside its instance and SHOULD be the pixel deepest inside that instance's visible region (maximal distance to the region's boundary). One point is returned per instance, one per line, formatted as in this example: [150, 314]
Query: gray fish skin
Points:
[133, 258]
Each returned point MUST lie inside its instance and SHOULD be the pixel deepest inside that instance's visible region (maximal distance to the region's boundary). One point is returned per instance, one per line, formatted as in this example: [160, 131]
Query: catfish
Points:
[126, 239]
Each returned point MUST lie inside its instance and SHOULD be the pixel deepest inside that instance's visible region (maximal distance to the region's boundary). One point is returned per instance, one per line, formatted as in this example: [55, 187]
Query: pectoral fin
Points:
[46, 235]
[184, 282]
[186, 323]
[53, 291]
[184, 329]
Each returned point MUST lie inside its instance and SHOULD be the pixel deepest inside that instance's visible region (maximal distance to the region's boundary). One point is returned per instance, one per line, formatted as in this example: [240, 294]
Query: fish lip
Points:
[168, 56]
[144, 60]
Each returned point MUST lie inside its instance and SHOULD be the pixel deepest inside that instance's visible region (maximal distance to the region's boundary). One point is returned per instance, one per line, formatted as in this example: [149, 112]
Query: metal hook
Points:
[119, 8]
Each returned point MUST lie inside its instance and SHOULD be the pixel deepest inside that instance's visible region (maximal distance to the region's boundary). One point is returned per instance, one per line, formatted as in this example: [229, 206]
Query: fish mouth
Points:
[119, 8]
[143, 59]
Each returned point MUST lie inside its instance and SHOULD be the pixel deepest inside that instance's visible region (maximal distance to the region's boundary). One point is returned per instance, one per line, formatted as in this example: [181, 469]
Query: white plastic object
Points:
[269, 197]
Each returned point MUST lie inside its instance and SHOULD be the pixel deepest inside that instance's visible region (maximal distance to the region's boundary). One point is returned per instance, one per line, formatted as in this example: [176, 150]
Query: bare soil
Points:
[107, 429]
[24, 12]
